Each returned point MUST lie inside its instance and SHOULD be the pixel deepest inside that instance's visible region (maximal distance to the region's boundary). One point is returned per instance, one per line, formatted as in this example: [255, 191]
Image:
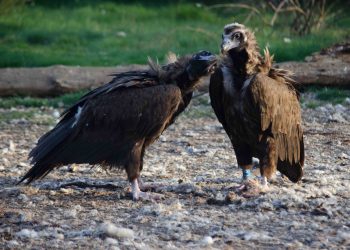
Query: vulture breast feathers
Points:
[257, 106]
[113, 124]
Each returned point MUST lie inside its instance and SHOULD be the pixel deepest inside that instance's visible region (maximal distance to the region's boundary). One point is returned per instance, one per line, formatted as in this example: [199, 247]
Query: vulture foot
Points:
[137, 194]
[147, 196]
[149, 186]
[252, 188]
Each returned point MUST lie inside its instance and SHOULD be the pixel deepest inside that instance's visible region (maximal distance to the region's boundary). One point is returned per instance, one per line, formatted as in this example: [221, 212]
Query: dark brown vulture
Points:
[114, 124]
[258, 107]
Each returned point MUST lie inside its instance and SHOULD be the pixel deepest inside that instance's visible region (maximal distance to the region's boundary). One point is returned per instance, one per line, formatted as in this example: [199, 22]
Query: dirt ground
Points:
[84, 207]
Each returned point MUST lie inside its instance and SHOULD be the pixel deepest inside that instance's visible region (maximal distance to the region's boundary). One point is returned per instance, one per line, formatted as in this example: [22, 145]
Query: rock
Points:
[336, 117]
[344, 236]
[23, 165]
[347, 101]
[56, 113]
[339, 108]
[27, 233]
[12, 146]
[111, 241]
[207, 241]
[13, 244]
[344, 156]
[254, 236]
[94, 212]
[113, 231]
[72, 213]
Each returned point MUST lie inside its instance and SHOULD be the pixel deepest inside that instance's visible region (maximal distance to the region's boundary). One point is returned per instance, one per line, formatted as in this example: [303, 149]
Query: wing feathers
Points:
[280, 115]
[107, 129]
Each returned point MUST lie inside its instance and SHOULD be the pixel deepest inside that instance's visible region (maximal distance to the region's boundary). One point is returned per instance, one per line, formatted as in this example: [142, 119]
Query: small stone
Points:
[111, 241]
[345, 236]
[94, 212]
[347, 100]
[207, 240]
[59, 236]
[22, 165]
[12, 243]
[56, 113]
[12, 146]
[27, 233]
[111, 230]
[67, 190]
[5, 161]
[336, 117]
[23, 197]
[339, 108]
[72, 213]
[344, 156]
[52, 192]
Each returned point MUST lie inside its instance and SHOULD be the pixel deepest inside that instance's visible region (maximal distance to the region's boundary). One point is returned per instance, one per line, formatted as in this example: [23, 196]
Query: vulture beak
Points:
[211, 61]
[227, 44]
[201, 64]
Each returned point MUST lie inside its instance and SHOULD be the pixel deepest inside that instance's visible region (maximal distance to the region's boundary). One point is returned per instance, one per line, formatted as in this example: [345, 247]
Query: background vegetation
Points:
[108, 33]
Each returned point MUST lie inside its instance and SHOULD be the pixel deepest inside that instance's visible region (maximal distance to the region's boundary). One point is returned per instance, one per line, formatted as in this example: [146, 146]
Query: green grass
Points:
[91, 33]
[57, 102]
[16, 115]
[323, 95]
[334, 95]
[200, 105]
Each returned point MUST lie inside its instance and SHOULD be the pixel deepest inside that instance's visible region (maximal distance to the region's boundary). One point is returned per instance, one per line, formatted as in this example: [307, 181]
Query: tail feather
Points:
[294, 171]
[45, 147]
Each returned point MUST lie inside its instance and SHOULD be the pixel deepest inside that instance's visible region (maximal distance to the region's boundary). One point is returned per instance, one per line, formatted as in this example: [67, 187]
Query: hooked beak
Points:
[227, 44]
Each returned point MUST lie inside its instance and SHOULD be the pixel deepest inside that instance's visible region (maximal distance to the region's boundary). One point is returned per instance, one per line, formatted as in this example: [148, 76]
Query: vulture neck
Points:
[185, 83]
[176, 73]
[237, 62]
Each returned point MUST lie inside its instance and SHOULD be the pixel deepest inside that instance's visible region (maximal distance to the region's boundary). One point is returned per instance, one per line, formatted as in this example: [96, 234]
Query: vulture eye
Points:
[237, 36]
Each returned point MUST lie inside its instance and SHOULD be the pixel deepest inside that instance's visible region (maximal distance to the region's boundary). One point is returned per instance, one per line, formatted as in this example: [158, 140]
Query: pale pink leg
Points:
[137, 194]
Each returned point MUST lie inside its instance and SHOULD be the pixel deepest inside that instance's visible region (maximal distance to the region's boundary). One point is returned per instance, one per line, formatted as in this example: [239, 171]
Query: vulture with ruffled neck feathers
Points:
[115, 123]
[258, 107]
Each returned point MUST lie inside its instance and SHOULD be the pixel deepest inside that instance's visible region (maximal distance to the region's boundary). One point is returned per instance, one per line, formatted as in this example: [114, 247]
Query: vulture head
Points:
[235, 37]
[201, 64]
[239, 44]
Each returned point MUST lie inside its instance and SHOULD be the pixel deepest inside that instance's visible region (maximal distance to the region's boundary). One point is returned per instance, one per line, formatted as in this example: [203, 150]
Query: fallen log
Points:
[330, 67]
[56, 80]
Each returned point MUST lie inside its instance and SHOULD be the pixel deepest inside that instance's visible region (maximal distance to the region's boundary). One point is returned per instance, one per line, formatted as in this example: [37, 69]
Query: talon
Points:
[137, 194]
[148, 186]
[143, 196]
[251, 188]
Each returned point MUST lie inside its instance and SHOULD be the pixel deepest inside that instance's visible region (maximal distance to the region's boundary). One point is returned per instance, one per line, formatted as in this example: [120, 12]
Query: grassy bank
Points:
[320, 96]
[105, 33]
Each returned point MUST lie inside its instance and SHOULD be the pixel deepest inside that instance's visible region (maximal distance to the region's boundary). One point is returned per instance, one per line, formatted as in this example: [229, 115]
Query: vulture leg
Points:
[244, 160]
[268, 164]
[250, 186]
[133, 169]
[137, 194]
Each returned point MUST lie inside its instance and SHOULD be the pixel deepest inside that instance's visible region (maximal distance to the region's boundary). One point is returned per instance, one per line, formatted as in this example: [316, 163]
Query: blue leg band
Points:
[246, 174]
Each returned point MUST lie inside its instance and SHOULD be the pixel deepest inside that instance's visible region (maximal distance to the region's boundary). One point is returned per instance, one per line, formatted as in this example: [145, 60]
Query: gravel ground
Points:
[84, 207]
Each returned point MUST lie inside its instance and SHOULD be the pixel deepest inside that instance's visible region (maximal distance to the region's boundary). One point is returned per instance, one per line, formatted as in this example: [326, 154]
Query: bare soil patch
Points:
[195, 160]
